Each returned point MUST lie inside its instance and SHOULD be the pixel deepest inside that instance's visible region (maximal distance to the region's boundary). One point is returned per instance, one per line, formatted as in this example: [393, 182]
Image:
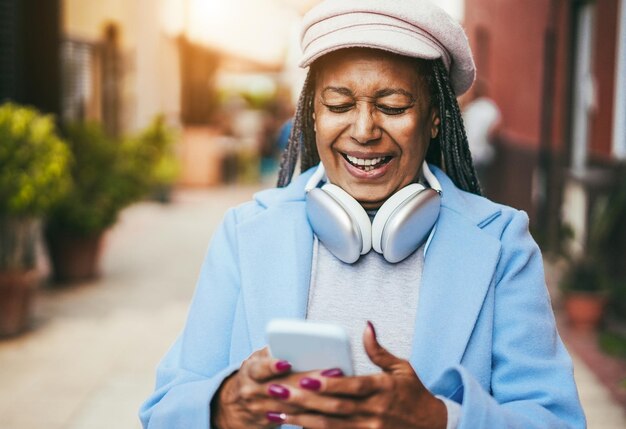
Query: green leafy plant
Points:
[613, 344]
[608, 241]
[602, 268]
[584, 275]
[156, 145]
[34, 162]
[110, 174]
[107, 174]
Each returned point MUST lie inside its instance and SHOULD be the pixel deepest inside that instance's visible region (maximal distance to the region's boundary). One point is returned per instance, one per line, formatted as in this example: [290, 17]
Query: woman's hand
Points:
[252, 397]
[394, 398]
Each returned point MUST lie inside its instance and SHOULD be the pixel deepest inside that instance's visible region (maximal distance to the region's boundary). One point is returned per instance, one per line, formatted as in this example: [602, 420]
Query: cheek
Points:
[409, 134]
[327, 128]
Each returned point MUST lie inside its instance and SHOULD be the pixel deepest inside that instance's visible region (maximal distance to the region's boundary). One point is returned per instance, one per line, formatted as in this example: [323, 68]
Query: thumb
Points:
[380, 356]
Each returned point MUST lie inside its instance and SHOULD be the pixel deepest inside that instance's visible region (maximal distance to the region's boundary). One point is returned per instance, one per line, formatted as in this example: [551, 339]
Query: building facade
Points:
[111, 62]
[29, 53]
[556, 70]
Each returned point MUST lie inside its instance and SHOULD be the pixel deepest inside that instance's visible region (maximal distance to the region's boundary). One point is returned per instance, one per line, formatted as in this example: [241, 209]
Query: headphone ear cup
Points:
[386, 211]
[339, 222]
[404, 221]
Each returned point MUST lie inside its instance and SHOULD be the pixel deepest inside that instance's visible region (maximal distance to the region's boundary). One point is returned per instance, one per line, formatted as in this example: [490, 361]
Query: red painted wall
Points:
[514, 63]
[561, 81]
[604, 68]
[513, 66]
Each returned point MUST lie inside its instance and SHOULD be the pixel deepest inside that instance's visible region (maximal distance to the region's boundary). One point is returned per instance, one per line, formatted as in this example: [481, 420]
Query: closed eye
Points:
[388, 110]
[341, 108]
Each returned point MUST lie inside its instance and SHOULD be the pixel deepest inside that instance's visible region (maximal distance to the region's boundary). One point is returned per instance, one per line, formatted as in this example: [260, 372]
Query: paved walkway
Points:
[89, 361]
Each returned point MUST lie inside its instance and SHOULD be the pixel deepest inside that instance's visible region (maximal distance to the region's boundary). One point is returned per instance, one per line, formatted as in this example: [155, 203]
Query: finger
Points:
[262, 367]
[331, 405]
[359, 386]
[377, 353]
[261, 406]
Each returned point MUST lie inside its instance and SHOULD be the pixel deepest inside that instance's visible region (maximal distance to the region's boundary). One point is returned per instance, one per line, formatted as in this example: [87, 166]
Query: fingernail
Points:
[282, 366]
[334, 372]
[278, 391]
[371, 325]
[276, 417]
[310, 383]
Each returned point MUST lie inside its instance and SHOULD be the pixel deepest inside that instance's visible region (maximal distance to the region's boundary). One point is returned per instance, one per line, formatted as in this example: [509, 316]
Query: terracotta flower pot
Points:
[16, 297]
[18, 273]
[585, 310]
[73, 257]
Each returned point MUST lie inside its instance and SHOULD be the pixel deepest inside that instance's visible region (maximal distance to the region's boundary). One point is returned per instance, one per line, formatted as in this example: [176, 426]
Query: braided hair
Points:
[449, 150]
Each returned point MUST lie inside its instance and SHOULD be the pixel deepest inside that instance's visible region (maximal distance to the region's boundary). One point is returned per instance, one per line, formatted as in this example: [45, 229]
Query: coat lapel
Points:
[458, 269]
[275, 251]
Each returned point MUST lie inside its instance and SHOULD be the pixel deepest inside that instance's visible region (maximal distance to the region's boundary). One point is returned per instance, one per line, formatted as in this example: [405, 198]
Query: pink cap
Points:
[414, 28]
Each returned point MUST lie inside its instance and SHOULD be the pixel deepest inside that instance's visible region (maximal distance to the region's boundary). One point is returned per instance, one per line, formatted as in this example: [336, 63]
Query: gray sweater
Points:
[370, 289]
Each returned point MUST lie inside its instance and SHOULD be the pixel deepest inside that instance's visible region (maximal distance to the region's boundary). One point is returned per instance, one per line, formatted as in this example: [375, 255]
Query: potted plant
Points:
[584, 288]
[108, 175]
[156, 143]
[599, 277]
[33, 176]
[609, 233]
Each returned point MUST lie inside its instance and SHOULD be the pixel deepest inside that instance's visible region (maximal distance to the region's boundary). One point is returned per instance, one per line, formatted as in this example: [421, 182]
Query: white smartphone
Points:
[310, 346]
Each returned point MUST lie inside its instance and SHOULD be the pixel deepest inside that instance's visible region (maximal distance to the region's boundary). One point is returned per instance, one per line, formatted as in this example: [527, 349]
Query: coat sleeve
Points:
[532, 384]
[195, 366]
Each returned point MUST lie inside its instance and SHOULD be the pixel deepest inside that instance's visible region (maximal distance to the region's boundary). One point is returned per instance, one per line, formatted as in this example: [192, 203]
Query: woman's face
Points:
[373, 122]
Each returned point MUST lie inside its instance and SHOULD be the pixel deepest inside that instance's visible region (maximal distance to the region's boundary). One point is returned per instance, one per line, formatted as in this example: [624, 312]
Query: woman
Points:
[468, 337]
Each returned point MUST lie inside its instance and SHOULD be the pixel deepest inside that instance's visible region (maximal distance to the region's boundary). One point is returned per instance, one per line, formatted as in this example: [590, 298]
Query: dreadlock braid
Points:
[302, 137]
[449, 150]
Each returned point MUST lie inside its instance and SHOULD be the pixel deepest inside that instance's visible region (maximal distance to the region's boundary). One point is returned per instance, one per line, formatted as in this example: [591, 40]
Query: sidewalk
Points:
[604, 408]
[89, 362]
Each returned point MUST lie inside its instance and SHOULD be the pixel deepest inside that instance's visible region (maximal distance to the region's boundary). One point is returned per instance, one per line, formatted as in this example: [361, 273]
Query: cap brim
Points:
[391, 40]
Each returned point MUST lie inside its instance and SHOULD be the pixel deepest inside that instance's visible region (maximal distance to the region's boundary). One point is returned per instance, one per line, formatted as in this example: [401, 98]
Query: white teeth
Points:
[370, 162]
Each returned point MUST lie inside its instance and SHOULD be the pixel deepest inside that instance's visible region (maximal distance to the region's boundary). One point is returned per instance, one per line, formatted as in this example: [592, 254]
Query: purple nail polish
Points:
[371, 325]
[333, 372]
[278, 391]
[275, 417]
[282, 366]
[310, 383]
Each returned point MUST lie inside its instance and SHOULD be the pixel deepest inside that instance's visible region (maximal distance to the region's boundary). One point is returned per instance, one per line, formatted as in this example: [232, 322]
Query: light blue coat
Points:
[485, 334]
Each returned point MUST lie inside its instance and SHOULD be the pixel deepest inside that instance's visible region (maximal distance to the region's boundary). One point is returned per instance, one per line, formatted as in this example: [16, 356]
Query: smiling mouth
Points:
[367, 164]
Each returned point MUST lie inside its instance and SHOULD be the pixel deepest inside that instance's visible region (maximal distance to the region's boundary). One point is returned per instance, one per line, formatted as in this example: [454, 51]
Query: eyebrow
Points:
[340, 89]
[379, 94]
[391, 91]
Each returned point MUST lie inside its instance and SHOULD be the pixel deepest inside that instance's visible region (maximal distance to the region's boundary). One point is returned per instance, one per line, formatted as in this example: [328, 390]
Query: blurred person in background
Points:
[454, 283]
[283, 135]
[482, 120]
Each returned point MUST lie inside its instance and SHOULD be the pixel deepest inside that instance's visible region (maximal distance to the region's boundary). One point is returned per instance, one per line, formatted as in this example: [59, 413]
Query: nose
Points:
[365, 129]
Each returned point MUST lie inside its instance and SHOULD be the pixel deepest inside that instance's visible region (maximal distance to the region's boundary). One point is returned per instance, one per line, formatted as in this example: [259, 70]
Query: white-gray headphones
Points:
[401, 225]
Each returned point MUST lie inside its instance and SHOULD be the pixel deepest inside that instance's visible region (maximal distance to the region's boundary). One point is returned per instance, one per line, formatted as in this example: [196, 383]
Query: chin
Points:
[369, 195]
[370, 200]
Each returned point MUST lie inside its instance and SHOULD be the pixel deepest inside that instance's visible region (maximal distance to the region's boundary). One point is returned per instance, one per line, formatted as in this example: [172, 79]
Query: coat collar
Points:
[276, 252]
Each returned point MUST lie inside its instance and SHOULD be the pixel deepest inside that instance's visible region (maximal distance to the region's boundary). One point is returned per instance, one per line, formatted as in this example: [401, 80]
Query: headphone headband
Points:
[431, 178]
[401, 225]
[318, 175]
